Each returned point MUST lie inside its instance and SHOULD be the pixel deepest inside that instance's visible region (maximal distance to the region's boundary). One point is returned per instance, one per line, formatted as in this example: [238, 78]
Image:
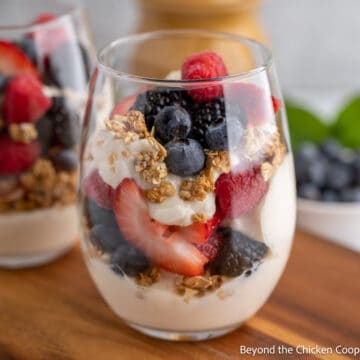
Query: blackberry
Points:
[152, 102]
[204, 115]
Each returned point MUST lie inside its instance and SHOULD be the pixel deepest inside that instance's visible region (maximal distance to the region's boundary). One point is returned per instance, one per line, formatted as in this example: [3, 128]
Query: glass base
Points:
[26, 261]
[183, 335]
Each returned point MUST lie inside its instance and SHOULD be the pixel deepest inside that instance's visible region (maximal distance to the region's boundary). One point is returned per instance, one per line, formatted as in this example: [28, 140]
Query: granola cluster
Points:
[23, 133]
[40, 187]
[158, 194]
[198, 285]
[148, 277]
[151, 169]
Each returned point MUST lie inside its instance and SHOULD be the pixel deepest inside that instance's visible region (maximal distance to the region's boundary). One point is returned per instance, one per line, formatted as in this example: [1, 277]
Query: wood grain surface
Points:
[54, 312]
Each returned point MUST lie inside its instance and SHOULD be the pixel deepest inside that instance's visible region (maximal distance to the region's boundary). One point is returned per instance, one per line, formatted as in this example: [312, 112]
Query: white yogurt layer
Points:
[36, 232]
[159, 307]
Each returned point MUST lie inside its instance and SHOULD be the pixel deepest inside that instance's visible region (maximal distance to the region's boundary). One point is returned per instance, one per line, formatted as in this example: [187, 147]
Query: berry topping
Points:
[65, 122]
[277, 104]
[151, 102]
[105, 238]
[97, 215]
[65, 160]
[172, 122]
[237, 253]
[24, 100]
[165, 248]
[65, 67]
[204, 65]
[184, 157]
[237, 194]
[122, 107]
[16, 157]
[95, 188]
[13, 61]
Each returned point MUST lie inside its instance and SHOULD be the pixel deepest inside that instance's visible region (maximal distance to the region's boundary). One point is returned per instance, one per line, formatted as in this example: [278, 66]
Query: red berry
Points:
[24, 100]
[13, 61]
[16, 157]
[122, 107]
[43, 18]
[96, 189]
[166, 248]
[211, 248]
[237, 194]
[204, 65]
[277, 104]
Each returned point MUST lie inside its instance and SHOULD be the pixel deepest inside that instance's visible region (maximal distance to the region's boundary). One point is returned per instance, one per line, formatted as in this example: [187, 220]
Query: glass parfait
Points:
[45, 60]
[187, 185]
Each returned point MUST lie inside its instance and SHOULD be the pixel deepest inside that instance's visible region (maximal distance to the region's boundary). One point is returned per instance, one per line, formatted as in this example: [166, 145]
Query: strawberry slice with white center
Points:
[13, 61]
[167, 249]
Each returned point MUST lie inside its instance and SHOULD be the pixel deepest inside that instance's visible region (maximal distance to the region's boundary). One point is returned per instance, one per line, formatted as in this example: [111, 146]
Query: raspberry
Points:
[204, 65]
[237, 194]
[16, 157]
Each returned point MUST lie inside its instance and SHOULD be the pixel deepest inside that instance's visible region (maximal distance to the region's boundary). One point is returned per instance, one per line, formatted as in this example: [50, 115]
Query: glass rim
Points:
[70, 12]
[265, 64]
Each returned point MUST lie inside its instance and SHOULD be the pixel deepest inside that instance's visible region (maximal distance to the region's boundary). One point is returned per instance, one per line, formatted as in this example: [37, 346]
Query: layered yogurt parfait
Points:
[44, 70]
[188, 197]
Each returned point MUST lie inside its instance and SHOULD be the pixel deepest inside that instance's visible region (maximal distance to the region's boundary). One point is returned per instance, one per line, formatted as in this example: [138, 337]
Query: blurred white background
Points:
[315, 42]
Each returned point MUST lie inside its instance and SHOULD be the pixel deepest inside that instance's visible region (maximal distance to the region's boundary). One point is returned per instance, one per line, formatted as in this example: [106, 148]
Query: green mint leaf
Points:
[346, 127]
[305, 126]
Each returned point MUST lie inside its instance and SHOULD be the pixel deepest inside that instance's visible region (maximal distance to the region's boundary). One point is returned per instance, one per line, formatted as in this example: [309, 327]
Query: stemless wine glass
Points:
[187, 185]
[45, 60]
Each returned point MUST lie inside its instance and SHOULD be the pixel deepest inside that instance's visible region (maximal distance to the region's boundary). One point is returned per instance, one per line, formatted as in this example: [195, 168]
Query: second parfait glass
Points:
[187, 185]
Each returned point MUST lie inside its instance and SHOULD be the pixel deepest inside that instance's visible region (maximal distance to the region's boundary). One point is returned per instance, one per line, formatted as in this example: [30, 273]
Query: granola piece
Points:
[198, 285]
[161, 192]
[267, 170]
[150, 169]
[218, 160]
[128, 127]
[148, 277]
[23, 133]
[199, 217]
[197, 188]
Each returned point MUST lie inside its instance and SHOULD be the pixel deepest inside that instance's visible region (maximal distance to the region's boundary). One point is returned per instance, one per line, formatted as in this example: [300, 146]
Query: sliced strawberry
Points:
[96, 189]
[122, 107]
[237, 194]
[211, 248]
[13, 61]
[277, 104]
[165, 248]
[24, 100]
[197, 232]
[204, 65]
[16, 157]
[43, 18]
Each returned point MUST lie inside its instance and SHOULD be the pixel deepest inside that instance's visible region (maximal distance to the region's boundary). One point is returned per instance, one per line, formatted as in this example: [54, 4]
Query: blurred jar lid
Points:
[199, 7]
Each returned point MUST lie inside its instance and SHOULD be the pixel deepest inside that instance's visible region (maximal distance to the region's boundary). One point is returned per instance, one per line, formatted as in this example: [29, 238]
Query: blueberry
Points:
[27, 45]
[224, 133]
[65, 121]
[238, 253]
[45, 131]
[97, 215]
[65, 67]
[172, 122]
[308, 152]
[331, 148]
[309, 191]
[350, 194]
[184, 157]
[129, 260]
[318, 172]
[106, 238]
[65, 160]
[329, 196]
[340, 176]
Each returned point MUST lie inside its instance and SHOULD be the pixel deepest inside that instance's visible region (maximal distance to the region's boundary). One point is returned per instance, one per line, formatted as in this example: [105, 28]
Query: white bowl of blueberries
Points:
[328, 183]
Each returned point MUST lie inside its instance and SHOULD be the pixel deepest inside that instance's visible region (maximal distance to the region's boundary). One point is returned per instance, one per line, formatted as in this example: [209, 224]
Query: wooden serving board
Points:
[55, 313]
